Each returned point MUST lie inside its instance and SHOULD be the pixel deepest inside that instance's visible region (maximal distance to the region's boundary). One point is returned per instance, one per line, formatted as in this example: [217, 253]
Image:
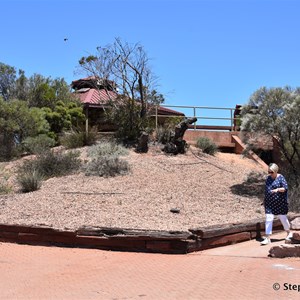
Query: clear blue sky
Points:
[205, 52]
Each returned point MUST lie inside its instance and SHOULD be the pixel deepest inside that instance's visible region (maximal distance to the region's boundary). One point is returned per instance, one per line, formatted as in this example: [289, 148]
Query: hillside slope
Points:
[207, 190]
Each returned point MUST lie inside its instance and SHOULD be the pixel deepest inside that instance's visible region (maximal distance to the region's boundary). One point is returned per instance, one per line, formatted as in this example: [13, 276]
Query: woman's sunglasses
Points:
[270, 172]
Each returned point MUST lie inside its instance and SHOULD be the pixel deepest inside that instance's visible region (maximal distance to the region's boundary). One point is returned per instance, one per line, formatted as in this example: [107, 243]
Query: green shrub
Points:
[17, 121]
[207, 145]
[107, 149]
[90, 138]
[72, 140]
[166, 131]
[30, 179]
[127, 114]
[164, 134]
[105, 160]
[38, 144]
[255, 177]
[52, 164]
[107, 166]
[77, 139]
[4, 188]
[8, 148]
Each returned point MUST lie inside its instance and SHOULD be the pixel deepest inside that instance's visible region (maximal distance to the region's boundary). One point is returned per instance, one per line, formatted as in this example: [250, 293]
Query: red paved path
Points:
[241, 271]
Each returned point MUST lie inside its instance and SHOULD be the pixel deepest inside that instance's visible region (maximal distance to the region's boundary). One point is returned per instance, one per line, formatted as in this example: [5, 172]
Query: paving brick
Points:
[240, 271]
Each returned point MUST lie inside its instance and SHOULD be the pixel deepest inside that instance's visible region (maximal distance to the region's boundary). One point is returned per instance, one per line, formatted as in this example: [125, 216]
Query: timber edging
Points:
[134, 240]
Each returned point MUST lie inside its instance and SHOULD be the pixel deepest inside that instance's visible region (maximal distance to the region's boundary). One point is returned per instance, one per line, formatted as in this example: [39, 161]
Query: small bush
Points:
[107, 149]
[207, 145]
[52, 164]
[4, 188]
[107, 166]
[30, 180]
[72, 140]
[8, 148]
[255, 177]
[38, 144]
[164, 134]
[90, 138]
[77, 139]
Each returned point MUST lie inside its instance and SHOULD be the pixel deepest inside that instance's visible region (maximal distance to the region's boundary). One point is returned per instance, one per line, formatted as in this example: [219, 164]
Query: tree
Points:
[30, 107]
[275, 112]
[41, 94]
[124, 69]
[62, 91]
[53, 98]
[22, 88]
[63, 117]
[7, 81]
[40, 91]
[17, 122]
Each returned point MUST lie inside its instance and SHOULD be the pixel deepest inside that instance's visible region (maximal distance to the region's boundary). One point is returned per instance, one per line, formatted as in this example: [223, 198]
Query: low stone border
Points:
[169, 242]
[290, 248]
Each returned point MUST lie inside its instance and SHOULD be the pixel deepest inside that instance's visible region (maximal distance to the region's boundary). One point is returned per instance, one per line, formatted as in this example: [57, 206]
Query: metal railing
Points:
[195, 113]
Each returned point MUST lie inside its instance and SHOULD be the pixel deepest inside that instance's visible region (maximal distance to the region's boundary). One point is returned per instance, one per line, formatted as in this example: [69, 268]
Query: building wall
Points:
[220, 138]
[233, 141]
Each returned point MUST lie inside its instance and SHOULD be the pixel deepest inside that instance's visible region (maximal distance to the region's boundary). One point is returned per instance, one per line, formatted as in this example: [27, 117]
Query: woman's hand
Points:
[279, 190]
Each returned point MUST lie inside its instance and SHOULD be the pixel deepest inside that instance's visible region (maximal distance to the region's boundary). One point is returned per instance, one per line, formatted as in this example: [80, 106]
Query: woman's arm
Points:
[284, 186]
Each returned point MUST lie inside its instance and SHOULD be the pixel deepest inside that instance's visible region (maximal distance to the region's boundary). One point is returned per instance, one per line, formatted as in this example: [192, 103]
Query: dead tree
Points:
[177, 144]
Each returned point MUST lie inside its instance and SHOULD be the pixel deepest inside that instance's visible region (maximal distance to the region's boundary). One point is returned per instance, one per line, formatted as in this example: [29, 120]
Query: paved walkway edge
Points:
[133, 240]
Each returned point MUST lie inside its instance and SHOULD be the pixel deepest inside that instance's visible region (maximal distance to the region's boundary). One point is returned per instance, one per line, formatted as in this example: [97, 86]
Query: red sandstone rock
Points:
[295, 224]
[296, 238]
[285, 251]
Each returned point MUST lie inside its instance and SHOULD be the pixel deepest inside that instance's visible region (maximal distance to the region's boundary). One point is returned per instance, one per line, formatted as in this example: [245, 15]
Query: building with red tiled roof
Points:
[95, 95]
[94, 98]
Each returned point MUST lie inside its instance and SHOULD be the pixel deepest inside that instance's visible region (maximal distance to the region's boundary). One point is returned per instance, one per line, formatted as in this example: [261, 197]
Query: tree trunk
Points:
[142, 146]
[177, 143]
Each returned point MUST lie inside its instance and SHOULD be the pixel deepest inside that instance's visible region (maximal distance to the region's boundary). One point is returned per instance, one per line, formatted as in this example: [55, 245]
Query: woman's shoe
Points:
[266, 241]
[289, 236]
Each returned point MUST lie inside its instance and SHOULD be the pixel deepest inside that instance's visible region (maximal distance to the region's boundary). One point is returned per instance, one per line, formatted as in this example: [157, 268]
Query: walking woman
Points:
[276, 202]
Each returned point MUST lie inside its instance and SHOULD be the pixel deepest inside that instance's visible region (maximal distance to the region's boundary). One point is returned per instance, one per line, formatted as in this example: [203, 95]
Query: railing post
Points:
[232, 121]
[156, 121]
[87, 121]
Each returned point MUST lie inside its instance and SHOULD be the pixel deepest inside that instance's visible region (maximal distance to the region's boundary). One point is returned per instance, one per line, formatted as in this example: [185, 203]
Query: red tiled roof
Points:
[167, 111]
[96, 97]
[101, 97]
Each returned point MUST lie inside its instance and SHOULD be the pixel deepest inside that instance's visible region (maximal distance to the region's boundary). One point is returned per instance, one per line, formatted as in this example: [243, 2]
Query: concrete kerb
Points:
[133, 240]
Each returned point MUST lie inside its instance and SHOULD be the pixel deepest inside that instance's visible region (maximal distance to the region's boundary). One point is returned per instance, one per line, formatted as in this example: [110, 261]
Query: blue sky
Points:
[204, 52]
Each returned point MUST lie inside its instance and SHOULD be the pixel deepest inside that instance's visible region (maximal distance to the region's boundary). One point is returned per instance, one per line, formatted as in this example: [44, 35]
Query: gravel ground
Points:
[206, 189]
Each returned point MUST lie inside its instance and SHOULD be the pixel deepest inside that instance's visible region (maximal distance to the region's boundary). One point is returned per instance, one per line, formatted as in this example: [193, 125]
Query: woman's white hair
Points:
[274, 167]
